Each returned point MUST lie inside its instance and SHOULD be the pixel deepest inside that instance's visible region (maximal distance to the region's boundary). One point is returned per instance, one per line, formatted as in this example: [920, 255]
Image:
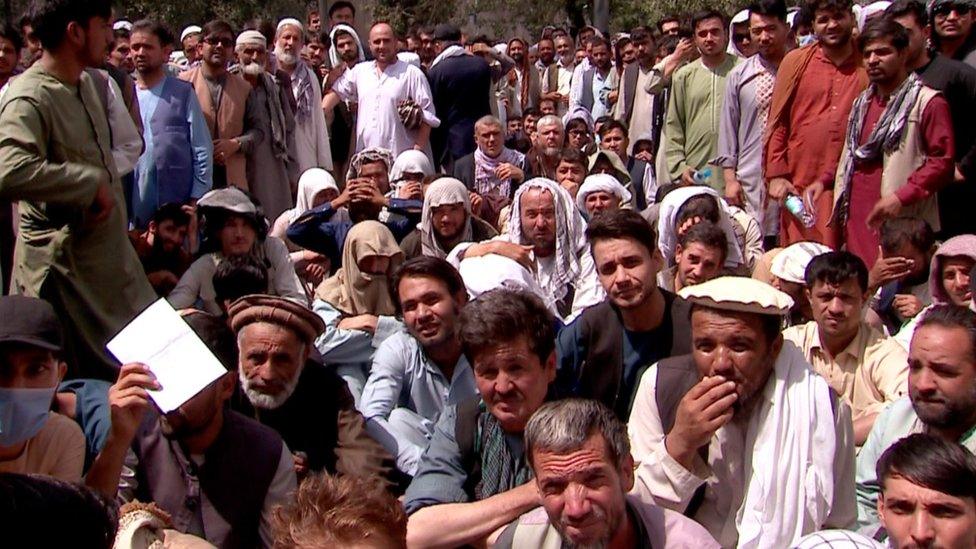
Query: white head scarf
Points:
[741, 17]
[334, 52]
[487, 272]
[410, 161]
[570, 237]
[667, 236]
[311, 183]
[791, 263]
[445, 190]
[601, 182]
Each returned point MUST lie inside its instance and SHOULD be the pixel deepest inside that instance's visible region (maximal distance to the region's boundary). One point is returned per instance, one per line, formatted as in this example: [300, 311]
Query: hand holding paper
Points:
[181, 362]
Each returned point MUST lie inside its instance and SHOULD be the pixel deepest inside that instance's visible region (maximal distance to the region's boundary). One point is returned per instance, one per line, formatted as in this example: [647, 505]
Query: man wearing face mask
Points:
[33, 439]
[708, 442]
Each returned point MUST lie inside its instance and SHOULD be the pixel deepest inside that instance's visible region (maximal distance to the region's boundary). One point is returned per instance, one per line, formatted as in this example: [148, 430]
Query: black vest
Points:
[238, 469]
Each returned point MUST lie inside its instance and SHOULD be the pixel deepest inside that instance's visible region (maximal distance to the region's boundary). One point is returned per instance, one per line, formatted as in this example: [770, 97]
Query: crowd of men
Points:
[709, 283]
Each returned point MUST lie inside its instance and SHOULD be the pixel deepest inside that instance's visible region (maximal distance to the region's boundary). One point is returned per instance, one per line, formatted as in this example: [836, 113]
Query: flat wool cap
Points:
[739, 294]
[275, 310]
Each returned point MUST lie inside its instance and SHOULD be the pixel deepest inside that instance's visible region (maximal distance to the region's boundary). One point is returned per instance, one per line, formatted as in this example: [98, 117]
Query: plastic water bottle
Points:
[701, 176]
[798, 208]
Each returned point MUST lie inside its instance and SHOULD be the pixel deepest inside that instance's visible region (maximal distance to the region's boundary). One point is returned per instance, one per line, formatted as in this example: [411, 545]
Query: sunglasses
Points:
[945, 9]
[219, 41]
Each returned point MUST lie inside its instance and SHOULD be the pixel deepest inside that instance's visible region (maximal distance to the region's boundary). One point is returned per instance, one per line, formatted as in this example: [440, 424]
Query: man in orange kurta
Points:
[815, 88]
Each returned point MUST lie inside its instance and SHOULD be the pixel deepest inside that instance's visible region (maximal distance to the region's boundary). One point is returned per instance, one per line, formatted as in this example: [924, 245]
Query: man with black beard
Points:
[160, 249]
[941, 397]
[188, 461]
[346, 51]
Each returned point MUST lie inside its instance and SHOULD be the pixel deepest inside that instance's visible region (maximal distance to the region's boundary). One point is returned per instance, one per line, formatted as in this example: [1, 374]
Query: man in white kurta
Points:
[758, 449]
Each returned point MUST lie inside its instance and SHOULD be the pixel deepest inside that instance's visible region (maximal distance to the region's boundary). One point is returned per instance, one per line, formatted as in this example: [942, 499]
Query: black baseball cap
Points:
[446, 32]
[29, 320]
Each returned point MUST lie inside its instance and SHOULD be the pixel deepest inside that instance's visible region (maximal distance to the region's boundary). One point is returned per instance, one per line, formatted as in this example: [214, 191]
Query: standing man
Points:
[899, 145]
[342, 12]
[558, 76]
[177, 163]
[524, 78]
[694, 108]
[595, 78]
[225, 100]
[748, 92]
[271, 166]
[636, 106]
[957, 82]
[311, 135]
[953, 25]
[72, 247]
[460, 85]
[384, 89]
[815, 88]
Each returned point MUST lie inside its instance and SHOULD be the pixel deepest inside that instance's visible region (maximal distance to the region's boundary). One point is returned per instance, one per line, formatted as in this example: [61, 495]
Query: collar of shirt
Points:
[854, 349]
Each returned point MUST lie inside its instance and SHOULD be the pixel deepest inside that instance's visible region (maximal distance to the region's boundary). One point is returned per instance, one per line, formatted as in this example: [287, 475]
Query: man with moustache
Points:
[272, 168]
[177, 164]
[346, 51]
[720, 434]
[524, 78]
[160, 247]
[543, 158]
[231, 115]
[312, 148]
[188, 461]
[416, 373]
[941, 398]
[556, 81]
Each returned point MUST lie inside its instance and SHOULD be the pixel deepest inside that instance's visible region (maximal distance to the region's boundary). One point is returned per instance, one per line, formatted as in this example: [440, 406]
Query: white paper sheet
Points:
[181, 361]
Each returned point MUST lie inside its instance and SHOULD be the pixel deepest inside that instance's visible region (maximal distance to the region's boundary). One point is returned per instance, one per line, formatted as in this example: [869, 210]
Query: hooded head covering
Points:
[790, 264]
[334, 52]
[570, 237]
[310, 184]
[668, 214]
[962, 245]
[623, 176]
[581, 113]
[410, 161]
[601, 182]
[354, 292]
[445, 190]
[375, 154]
[739, 18]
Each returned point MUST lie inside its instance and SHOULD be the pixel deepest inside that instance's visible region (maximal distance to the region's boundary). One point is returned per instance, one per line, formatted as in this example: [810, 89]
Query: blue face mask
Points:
[23, 413]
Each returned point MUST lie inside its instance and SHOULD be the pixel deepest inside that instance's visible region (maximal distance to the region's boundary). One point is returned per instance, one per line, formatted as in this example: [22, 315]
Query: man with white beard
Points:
[305, 402]
[272, 169]
[311, 135]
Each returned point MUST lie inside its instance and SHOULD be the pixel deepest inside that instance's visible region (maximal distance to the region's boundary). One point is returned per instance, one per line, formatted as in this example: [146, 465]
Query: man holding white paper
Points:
[188, 461]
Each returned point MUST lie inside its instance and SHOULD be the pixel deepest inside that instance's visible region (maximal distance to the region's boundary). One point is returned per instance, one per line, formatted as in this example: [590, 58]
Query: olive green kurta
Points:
[54, 153]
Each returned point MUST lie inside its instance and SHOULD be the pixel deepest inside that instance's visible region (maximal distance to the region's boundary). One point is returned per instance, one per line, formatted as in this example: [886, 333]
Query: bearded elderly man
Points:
[446, 221]
[546, 235]
[283, 387]
[543, 158]
[312, 148]
[272, 168]
[741, 434]
[492, 171]
[580, 456]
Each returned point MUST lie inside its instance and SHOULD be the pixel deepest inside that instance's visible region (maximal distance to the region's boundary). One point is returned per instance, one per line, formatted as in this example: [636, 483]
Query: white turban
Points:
[601, 182]
[252, 38]
[791, 263]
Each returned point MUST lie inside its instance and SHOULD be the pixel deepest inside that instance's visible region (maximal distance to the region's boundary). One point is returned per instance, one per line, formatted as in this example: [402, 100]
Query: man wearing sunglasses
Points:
[225, 99]
[952, 21]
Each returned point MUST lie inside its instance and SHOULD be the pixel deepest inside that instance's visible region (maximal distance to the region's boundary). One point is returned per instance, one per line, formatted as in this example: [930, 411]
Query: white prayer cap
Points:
[290, 21]
[791, 263]
[601, 182]
[192, 29]
[407, 57]
[252, 38]
[866, 12]
[122, 24]
[739, 294]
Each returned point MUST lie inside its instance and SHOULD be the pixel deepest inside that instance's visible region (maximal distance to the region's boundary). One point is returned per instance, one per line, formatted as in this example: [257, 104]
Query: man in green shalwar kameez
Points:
[56, 159]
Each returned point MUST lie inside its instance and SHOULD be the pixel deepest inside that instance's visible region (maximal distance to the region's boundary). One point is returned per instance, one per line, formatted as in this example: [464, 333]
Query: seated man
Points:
[417, 373]
[571, 170]
[189, 461]
[492, 171]
[613, 137]
[306, 403]
[928, 493]
[941, 398]
[365, 196]
[698, 257]
[474, 479]
[788, 271]
[601, 192]
[545, 222]
[604, 352]
[901, 274]
[446, 221]
[237, 277]
[547, 144]
[741, 434]
[867, 369]
[160, 247]
[580, 457]
[33, 439]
